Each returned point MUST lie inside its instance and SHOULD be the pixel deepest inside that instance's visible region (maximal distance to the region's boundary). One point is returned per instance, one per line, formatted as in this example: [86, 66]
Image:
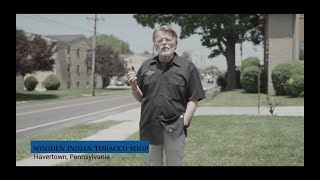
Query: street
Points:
[44, 117]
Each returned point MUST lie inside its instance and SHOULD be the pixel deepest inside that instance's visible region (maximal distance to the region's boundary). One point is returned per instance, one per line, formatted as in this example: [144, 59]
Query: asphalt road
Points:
[39, 118]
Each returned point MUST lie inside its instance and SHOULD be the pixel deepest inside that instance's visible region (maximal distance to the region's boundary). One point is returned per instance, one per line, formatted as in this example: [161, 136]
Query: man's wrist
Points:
[134, 89]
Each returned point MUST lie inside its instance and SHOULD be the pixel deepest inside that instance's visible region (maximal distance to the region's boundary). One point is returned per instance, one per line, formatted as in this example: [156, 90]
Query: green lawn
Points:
[73, 133]
[240, 98]
[59, 94]
[230, 141]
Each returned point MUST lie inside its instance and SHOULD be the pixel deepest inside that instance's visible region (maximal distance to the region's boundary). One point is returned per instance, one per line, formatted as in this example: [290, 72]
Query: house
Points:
[284, 34]
[70, 68]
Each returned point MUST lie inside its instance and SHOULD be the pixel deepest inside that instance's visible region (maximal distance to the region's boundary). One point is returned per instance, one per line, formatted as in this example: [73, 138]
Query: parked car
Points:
[119, 83]
[210, 80]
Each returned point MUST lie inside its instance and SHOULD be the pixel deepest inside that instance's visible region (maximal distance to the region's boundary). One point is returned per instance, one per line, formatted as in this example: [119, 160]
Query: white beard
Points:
[166, 52]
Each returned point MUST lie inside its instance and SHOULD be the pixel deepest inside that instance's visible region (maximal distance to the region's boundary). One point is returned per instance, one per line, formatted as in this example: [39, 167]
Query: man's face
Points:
[165, 43]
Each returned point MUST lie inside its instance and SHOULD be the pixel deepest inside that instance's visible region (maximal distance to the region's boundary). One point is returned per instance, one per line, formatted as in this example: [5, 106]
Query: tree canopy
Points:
[115, 43]
[33, 53]
[107, 63]
[220, 32]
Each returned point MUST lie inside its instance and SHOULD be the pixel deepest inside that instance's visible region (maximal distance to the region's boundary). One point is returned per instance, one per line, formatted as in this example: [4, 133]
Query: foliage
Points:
[272, 104]
[220, 32]
[222, 82]
[280, 74]
[250, 61]
[105, 81]
[107, 63]
[296, 68]
[31, 83]
[113, 42]
[33, 53]
[51, 82]
[294, 85]
[283, 72]
[249, 79]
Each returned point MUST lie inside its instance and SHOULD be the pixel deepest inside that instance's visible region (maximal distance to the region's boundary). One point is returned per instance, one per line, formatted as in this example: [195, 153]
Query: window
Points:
[78, 84]
[68, 50]
[68, 67]
[78, 70]
[78, 53]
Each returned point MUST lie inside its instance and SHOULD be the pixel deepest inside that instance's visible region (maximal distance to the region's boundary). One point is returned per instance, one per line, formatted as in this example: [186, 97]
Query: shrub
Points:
[296, 68]
[105, 81]
[295, 85]
[250, 61]
[51, 82]
[249, 79]
[31, 83]
[280, 74]
[222, 81]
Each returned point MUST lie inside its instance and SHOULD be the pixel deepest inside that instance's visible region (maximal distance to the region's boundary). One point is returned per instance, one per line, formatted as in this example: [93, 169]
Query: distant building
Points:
[70, 68]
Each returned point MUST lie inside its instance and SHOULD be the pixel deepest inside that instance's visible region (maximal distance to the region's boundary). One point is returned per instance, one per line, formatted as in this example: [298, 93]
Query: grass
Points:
[230, 141]
[240, 98]
[58, 94]
[73, 133]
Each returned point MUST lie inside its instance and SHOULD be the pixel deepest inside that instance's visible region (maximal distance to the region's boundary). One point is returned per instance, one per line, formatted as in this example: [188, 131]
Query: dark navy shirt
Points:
[166, 92]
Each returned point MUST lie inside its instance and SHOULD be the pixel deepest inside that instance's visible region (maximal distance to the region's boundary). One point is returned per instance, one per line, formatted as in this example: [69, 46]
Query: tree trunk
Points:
[231, 60]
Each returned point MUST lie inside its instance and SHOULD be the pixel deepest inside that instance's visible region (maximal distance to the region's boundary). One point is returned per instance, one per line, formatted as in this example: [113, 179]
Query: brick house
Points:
[69, 65]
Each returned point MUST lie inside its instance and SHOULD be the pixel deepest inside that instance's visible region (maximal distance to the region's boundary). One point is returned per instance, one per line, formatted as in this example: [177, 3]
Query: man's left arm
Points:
[191, 108]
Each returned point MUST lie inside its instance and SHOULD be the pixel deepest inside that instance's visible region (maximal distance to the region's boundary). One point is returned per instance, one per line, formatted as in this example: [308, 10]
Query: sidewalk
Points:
[131, 125]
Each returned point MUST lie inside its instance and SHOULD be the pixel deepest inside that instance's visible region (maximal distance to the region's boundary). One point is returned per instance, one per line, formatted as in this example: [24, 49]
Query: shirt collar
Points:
[176, 60]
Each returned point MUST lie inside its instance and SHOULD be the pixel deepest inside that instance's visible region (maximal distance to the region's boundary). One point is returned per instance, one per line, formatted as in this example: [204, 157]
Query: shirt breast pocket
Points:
[176, 81]
[176, 87]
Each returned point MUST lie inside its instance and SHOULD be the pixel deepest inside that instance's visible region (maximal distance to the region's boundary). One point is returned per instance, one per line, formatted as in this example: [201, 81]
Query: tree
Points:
[115, 43]
[107, 63]
[33, 53]
[220, 32]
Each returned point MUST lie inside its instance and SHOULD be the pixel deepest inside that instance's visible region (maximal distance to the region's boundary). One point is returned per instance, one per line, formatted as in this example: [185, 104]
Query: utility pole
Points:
[241, 51]
[93, 54]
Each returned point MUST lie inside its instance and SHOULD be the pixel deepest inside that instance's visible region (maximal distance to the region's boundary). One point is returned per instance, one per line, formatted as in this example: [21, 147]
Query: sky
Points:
[125, 27]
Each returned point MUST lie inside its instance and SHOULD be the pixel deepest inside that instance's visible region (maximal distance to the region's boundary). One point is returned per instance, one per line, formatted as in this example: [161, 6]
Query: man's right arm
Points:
[136, 91]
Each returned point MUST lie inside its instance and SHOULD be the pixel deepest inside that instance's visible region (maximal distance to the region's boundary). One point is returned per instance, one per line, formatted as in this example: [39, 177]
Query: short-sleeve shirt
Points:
[166, 92]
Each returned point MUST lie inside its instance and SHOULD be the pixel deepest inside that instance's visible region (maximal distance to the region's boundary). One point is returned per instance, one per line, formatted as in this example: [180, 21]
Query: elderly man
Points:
[169, 89]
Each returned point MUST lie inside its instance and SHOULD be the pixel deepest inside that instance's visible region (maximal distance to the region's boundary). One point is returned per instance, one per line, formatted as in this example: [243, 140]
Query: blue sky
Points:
[125, 27]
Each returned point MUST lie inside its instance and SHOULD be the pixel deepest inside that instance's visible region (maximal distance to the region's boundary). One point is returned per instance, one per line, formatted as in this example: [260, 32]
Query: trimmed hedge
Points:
[280, 74]
[51, 82]
[31, 83]
[249, 79]
[295, 85]
[250, 61]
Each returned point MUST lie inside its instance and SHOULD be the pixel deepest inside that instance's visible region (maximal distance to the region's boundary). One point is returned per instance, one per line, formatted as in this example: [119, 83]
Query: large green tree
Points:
[33, 53]
[220, 32]
[115, 43]
[107, 63]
